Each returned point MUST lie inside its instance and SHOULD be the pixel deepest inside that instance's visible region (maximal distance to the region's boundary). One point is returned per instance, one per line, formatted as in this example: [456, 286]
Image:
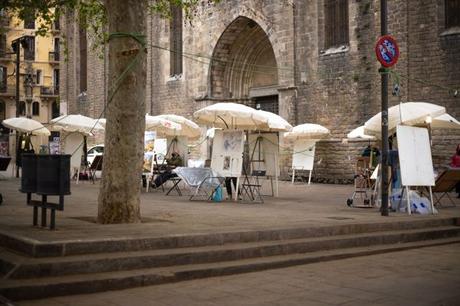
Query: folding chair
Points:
[446, 183]
[250, 189]
[96, 165]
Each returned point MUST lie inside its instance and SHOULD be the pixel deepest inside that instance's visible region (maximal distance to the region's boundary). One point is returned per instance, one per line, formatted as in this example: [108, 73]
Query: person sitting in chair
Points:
[173, 162]
[455, 163]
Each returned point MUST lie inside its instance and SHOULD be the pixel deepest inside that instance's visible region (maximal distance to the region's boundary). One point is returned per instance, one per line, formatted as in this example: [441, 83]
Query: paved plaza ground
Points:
[298, 205]
[426, 276]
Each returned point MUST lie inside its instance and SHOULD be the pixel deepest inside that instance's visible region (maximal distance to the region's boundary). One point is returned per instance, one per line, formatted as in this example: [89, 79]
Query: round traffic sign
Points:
[387, 51]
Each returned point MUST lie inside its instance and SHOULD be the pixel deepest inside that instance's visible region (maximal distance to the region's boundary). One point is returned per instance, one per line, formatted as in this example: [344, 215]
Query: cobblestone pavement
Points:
[298, 205]
[426, 276]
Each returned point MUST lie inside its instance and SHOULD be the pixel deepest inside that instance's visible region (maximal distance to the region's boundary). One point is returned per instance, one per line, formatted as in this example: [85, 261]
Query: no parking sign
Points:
[387, 51]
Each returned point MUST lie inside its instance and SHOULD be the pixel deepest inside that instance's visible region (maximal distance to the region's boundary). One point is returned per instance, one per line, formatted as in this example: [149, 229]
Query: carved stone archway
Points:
[243, 60]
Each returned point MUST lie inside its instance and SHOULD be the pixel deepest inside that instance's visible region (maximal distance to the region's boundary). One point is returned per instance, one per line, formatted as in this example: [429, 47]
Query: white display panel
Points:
[415, 156]
[227, 153]
[303, 157]
[73, 144]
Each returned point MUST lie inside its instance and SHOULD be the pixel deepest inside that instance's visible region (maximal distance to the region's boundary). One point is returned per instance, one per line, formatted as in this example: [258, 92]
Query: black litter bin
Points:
[53, 174]
[29, 173]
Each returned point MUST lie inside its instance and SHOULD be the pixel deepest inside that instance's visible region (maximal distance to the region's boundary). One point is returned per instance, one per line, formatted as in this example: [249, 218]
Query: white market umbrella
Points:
[275, 123]
[163, 127]
[359, 133]
[211, 132]
[26, 125]
[409, 113]
[307, 131]
[188, 128]
[445, 121]
[102, 121]
[231, 116]
[76, 123]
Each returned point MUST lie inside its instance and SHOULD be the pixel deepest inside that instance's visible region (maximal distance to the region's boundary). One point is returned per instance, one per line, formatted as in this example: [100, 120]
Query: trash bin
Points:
[29, 173]
[53, 174]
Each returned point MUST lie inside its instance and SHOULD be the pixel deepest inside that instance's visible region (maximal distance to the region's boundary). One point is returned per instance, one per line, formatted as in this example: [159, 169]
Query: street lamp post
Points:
[384, 109]
[16, 46]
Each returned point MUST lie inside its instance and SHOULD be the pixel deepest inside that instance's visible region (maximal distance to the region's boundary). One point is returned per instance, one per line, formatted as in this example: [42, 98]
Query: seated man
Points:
[173, 162]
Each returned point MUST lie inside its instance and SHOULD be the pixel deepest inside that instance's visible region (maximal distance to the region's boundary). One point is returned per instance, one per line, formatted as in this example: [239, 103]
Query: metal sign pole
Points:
[385, 147]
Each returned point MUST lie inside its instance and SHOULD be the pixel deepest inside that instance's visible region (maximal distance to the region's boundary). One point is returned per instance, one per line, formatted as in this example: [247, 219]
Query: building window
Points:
[29, 51]
[2, 111]
[336, 23]
[56, 81]
[3, 48]
[55, 110]
[269, 104]
[175, 40]
[35, 109]
[452, 13]
[3, 78]
[29, 22]
[83, 60]
[22, 108]
[57, 24]
[39, 77]
[57, 48]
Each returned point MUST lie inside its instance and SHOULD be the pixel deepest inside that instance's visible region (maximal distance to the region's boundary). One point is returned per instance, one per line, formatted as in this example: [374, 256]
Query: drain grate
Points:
[340, 218]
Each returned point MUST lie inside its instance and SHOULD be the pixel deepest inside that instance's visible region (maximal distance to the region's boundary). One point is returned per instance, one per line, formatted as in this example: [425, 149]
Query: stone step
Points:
[96, 282]
[26, 267]
[74, 247]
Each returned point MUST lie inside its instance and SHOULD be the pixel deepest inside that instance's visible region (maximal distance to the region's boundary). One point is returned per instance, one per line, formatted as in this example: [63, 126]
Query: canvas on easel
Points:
[303, 157]
[227, 154]
[415, 160]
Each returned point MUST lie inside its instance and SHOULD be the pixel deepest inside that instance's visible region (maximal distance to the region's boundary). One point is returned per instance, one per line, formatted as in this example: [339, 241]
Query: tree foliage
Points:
[91, 13]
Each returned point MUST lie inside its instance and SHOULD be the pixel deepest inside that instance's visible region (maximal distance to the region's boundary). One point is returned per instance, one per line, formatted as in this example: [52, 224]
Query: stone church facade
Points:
[309, 61]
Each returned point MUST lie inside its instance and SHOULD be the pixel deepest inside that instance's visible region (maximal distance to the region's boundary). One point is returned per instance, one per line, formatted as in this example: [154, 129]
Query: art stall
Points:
[76, 129]
[304, 137]
[228, 144]
[411, 123]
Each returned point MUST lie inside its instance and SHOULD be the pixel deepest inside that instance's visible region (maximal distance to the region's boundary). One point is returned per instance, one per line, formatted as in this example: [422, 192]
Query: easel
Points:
[264, 146]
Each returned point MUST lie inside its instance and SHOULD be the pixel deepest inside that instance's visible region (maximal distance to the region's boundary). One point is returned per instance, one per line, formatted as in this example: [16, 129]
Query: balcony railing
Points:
[49, 91]
[7, 91]
[4, 55]
[53, 56]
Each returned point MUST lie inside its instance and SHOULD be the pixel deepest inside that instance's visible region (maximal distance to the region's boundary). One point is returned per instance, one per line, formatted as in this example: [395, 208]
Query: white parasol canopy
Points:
[211, 132]
[445, 121]
[412, 113]
[275, 122]
[359, 133]
[231, 116]
[26, 125]
[76, 123]
[163, 127]
[307, 131]
[188, 128]
[102, 121]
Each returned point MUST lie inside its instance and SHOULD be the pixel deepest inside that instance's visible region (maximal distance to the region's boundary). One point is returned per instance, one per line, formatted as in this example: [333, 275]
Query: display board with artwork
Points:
[227, 153]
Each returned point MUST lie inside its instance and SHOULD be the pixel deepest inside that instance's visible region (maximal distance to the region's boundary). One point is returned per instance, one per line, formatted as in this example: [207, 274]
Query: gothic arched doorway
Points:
[243, 65]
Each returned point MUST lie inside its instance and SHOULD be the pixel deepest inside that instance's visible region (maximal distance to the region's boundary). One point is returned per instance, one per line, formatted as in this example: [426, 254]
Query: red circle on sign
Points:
[387, 51]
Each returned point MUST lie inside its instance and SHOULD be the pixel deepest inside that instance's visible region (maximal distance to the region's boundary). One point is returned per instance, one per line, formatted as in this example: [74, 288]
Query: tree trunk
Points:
[119, 196]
